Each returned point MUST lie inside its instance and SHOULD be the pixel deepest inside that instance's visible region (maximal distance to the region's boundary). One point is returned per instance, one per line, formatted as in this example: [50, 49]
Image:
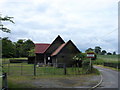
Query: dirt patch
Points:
[71, 82]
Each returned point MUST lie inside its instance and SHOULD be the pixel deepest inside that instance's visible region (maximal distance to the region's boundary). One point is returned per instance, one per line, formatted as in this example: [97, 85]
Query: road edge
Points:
[101, 80]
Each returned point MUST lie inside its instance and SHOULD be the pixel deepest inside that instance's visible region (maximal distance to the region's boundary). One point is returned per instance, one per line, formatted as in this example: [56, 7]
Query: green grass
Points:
[18, 79]
[6, 60]
[26, 81]
[106, 58]
[18, 69]
[109, 67]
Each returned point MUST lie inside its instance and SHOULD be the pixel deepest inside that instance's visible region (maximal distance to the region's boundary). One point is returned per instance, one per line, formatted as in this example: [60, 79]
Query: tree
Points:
[109, 53]
[19, 47]
[6, 18]
[23, 47]
[89, 49]
[103, 52]
[8, 48]
[78, 59]
[80, 56]
[28, 45]
[114, 53]
[31, 52]
[98, 50]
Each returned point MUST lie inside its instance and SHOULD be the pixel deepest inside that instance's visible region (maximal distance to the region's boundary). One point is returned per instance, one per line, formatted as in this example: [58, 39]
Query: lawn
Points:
[28, 69]
[21, 75]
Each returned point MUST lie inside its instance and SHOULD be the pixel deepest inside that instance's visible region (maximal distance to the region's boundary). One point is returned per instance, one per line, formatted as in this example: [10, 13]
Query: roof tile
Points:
[41, 47]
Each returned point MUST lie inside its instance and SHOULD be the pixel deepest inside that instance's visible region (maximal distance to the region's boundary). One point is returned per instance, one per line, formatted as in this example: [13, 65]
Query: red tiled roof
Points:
[41, 47]
[58, 49]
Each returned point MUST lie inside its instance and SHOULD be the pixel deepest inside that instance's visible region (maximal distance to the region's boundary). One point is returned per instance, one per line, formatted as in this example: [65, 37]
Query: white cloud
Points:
[82, 21]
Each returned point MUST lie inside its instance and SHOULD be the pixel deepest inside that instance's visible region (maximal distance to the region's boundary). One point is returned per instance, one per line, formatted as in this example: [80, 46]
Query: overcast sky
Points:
[88, 23]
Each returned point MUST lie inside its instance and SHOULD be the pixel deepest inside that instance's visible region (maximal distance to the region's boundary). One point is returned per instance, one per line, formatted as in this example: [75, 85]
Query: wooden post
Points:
[35, 67]
[21, 68]
[90, 64]
[64, 69]
[34, 70]
[5, 85]
[56, 62]
[44, 59]
[8, 68]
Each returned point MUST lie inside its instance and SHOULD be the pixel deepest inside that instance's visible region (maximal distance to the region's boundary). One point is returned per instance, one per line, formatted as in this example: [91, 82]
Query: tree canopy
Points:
[2, 27]
[20, 48]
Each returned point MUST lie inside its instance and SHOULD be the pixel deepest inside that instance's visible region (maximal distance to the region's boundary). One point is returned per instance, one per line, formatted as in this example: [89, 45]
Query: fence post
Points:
[5, 86]
[34, 69]
[8, 68]
[21, 68]
[90, 64]
[64, 69]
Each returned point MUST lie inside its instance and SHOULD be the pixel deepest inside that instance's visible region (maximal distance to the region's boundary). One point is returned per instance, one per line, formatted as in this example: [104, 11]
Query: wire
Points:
[96, 39]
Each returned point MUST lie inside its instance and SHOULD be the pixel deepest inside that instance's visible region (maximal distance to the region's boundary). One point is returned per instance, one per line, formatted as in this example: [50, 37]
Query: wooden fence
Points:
[4, 81]
[36, 70]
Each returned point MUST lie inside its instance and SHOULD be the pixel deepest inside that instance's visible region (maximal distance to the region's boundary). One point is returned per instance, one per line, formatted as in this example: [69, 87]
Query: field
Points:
[18, 69]
[108, 60]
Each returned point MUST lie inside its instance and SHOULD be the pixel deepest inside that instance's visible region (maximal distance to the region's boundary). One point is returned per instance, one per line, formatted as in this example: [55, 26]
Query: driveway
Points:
[110, 78]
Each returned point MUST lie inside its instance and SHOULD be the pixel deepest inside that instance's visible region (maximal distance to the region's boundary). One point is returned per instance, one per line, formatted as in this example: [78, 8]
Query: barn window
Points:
[48, 58]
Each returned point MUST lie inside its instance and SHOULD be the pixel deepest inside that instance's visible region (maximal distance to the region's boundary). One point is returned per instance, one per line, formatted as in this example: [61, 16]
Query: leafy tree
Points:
[114, 53]
[6, 18]
[103, 52]
[98, 50]
[19, 47]
[8, 48]
[32, 52]
[78, 59]
[80, 56]
[89, 49]
[109, 53]
[28, 45]
[23, 47]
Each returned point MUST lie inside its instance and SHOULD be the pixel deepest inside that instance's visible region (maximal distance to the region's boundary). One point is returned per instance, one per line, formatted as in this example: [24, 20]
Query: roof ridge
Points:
[58, 49]
[41, 43]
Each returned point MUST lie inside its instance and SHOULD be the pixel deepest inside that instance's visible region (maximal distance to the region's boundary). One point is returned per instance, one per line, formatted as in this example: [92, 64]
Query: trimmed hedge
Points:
[114, 65]
[18, 60]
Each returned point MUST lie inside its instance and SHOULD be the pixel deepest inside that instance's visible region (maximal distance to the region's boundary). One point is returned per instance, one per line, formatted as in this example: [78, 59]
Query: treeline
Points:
[21, 48]
[98, 50]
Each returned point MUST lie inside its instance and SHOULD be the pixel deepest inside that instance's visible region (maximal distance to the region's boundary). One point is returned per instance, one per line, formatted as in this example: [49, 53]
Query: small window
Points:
[62, 56]
[48, 58]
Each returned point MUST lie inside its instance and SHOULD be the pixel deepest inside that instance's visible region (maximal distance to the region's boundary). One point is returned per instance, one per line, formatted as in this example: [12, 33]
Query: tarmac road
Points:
[110, 78]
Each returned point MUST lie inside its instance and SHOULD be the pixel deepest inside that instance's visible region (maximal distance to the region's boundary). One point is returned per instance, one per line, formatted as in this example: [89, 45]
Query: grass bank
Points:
[108, 61]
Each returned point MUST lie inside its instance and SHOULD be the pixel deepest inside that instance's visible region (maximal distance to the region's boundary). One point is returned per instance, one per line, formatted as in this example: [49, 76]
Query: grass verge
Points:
[109, 67]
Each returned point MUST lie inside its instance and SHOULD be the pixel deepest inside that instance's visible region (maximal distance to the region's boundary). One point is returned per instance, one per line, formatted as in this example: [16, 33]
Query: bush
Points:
[86, 64]
[18, 60]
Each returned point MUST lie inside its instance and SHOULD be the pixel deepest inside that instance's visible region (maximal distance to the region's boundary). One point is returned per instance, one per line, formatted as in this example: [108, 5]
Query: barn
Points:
[56, 52]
